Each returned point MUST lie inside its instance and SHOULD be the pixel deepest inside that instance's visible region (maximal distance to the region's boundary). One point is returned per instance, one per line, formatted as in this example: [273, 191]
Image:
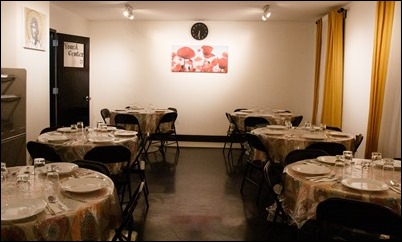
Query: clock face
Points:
[199, 31]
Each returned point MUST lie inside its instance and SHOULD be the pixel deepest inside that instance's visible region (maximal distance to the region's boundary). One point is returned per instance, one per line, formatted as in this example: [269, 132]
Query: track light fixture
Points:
[267, 13]
[128, 12]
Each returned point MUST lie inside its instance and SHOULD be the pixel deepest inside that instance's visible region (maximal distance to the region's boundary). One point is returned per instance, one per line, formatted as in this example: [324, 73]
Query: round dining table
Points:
[280, 140]
[73, 145]
[148, 118]
[274, 116]
[87, 206]
[301, 193]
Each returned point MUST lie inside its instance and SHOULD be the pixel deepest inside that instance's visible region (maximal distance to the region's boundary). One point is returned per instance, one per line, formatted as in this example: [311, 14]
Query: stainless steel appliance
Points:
[13, 116]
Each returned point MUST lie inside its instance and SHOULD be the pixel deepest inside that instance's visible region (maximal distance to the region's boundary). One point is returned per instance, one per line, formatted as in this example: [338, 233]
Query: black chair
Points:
[253, 173]
[331, 148]
[302, 154]
[42, 150]
[130, 122]
[172, 109]
[356, 143]
[253, 122]
[105, 113]
[49, 129]
[165, 132]
[125, 231]
[353, 220]
[296, 120]
[273, 176]
[108, 154]
[93, 165]
[233, 135]
[333, 128]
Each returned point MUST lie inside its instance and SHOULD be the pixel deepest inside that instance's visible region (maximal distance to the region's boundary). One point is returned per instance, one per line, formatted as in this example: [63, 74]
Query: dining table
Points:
[308, 182]
[280, 140]
[148, 118]
[274, 116]
[73, 144]
[85, 205]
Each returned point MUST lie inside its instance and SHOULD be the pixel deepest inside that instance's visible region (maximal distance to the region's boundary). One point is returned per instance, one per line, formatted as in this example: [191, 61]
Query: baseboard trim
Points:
[201, 138]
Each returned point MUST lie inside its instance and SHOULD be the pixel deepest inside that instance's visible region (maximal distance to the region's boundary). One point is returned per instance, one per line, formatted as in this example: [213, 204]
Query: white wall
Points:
[269, 64]
[36, 63]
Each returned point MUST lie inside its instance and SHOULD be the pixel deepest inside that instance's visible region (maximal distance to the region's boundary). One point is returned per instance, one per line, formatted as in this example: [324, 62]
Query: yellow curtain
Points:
[333, 82]
[317, 69]
[382, 41]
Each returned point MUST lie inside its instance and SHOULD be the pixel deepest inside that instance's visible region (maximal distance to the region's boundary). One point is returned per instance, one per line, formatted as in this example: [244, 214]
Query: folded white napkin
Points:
[57, 207]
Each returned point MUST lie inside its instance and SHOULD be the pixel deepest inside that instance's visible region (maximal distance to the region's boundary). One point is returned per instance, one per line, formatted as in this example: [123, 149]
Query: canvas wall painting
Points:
[200, 58]
[34, 29]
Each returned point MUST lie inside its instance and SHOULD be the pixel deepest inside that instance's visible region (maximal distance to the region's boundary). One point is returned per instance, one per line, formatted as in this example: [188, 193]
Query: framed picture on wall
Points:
[199, 58]
[34, 29]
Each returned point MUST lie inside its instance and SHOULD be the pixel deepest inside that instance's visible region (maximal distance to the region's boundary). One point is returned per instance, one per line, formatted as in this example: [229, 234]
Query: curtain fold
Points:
[317, 69]
[382, 41]
[333, 82]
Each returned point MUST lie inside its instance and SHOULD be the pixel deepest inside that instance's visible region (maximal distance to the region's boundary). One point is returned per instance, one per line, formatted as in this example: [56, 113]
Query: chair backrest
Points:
[333, 128]
[93, 165]
[105, 113]
[331, 148]
[346, 219]
[42, 150]
[173, 109]
[167, 120]
[296, 120]
[109, 154]
[128, 214]
[255, 142]
[232, 121]
[302, 154]
[356, 143]
[253, 122]
[49, 129]
[125, 119]
[239, 109]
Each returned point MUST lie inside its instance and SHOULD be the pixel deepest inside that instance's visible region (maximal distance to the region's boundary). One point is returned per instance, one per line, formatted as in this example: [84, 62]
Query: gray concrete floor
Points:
[195, 196]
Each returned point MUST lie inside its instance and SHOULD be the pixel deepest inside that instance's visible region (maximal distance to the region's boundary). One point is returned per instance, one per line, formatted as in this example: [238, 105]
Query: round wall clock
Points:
[199, 31]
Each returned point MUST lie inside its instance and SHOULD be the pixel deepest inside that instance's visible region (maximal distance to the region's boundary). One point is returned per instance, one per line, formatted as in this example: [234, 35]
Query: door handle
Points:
[87, 98]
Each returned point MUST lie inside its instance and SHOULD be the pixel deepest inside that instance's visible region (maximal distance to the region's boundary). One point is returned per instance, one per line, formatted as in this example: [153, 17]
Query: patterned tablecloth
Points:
[89, 215]
[148, 119]
[76, 144]
[277, 117]
[301, 196]
[280, 142]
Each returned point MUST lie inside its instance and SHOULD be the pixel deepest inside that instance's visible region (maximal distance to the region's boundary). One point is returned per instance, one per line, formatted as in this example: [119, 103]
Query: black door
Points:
[69, 79]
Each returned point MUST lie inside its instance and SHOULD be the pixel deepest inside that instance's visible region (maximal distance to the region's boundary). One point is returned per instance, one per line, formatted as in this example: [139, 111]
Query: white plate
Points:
[327, 159]
[125, 133]
[397, 163]
[311, 169]
[314, 136]
[276, 127]
[62, 167]
[274, 132]
[280, 111]
[338, 134]
[21, 208]
[365, 184]
[57, 138]
[108, 128]
[66, 130]
[285, 114]
[101, 139]
[83, 184]
[247, 111]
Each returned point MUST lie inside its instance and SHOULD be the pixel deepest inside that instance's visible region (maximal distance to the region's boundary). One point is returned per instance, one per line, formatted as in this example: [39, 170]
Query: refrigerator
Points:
[13, 116]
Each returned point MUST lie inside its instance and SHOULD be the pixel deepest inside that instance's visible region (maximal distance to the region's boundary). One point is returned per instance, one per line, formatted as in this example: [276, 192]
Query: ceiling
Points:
[282, 11]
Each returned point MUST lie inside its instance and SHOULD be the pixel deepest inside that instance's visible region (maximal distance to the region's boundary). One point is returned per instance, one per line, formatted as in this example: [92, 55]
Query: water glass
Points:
[348, 156]
[74, 127]
[339, 165]
[52, 180]
[80, 126]
[376, 157]
[39, 163]
[288, 124]
[4, 171]
[323, 127]
[388, 164]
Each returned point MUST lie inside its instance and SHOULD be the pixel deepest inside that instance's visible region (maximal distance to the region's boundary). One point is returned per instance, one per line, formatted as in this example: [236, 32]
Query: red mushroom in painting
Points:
[186, 53]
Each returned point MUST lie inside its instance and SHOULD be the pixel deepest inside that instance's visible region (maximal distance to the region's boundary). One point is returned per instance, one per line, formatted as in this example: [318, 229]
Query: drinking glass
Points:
[376, 157]
[288, 124]
[388, 164]
[80, 126]
[74, 127]
[52, 180]
[4, 171]
[323, 127]
[348, 155]
[39, 163]
[339, 165]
